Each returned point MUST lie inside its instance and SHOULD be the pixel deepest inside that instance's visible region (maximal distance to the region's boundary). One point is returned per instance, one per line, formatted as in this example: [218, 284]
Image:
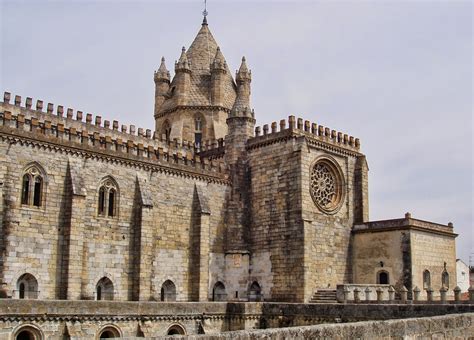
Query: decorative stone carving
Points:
[326, 186]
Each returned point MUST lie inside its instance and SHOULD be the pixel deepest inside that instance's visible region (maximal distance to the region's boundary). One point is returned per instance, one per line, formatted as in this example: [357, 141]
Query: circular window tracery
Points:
[326, 186]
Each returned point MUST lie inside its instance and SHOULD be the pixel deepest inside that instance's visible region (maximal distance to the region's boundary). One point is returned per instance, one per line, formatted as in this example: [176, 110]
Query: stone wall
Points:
[405, 249]
[438, 327]
[86, 319]
[68, 246]
[370, 249]
[276, 232]
[435, 259]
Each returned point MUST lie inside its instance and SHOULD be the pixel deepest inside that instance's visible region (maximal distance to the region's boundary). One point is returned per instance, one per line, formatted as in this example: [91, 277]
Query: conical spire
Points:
[219, 62]
[243, 74]
[162, 65]
[182, 63]
[162, 73]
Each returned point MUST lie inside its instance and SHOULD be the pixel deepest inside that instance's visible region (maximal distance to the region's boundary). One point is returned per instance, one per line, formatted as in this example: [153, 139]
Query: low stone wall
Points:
[87, 319]
[455, 326]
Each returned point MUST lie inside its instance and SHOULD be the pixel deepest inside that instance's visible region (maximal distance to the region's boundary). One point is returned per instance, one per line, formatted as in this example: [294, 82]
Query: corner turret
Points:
[218, 72]
[182, 79]
[241, 106]
[162, 84]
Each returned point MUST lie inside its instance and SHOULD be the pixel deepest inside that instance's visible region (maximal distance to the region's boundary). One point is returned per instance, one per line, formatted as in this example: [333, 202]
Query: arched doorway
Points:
[255, 292]
[27, 287]
[28, 333]
[383, 278]
[176, 330]
[109, 332]
[105, 289]
[218, 292]
[168, 291]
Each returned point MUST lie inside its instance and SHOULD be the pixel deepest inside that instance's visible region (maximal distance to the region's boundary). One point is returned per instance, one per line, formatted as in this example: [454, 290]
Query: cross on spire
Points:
[205, 13]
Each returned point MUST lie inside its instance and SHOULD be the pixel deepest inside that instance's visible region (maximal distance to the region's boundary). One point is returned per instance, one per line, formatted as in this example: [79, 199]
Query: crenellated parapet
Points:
[67, 129]
[314, 133]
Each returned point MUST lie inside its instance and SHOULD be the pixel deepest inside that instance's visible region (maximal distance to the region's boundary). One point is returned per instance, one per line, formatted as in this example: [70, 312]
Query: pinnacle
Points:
[243, 67]
[162, 65]
[183, 56]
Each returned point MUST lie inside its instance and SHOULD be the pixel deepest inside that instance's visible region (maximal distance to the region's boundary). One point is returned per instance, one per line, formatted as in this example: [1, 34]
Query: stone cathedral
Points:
[204, 207]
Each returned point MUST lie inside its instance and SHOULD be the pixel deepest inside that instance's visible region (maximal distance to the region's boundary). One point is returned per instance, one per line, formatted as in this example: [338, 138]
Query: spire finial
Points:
[205, 13]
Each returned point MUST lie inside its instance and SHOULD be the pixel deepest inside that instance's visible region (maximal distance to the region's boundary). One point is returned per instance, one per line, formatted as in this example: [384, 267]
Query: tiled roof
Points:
[200, 55]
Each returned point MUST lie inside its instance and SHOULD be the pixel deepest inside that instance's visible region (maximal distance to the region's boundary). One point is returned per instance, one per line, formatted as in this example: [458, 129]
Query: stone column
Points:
[379, 294]
[429, 294]
[356, 295]
[391, 294]
[457, 294]
[346, 292]
[442, 292]
[416, 294]
[403, 294]
[367, 294]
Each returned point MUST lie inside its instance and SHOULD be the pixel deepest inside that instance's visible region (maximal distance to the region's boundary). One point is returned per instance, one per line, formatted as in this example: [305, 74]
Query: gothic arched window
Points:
[32, 186]
[255, 292]
[445, 279]
[426, 279]
[27, 286]
[198, 121]
[104, 289]
[219, 292]
[168, 291]
[166, 131]
[108, 198]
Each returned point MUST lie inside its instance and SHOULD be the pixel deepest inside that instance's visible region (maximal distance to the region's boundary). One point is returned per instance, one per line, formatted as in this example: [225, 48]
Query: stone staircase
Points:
[324, 296]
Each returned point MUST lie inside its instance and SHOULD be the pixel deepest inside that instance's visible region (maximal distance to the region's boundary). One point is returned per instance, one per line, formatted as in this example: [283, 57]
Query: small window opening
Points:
[101, 200]
[26, 189]
[111, 202]
[426, 279]
[37, 192]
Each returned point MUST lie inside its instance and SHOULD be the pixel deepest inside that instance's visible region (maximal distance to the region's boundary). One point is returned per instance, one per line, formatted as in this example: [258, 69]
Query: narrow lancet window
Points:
[37, 191]
[26, 189]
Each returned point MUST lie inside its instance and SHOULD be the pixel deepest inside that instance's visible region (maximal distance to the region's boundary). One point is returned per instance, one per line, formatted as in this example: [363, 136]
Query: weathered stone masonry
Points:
[205, 207]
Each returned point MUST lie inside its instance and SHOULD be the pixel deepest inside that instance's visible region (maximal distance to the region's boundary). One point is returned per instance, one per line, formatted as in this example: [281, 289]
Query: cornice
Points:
[14, 136]
[191, 107]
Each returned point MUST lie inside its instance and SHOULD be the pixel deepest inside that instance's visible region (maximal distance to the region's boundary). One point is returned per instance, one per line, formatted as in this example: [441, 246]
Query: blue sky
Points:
[397, 75]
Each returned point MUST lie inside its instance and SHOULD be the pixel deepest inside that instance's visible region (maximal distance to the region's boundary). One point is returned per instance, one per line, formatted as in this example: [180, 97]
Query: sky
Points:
[396, 74]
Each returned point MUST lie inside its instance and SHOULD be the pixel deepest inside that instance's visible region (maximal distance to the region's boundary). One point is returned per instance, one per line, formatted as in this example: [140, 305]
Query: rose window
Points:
[326, 186]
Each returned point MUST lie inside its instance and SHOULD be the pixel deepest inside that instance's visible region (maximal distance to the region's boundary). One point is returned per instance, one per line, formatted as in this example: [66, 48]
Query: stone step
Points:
[324, 296]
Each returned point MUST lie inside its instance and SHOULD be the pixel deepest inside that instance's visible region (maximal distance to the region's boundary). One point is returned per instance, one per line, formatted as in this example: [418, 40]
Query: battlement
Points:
[312, 131]
[23, 121]
[70, 117]
[212, 149]
[404, 223]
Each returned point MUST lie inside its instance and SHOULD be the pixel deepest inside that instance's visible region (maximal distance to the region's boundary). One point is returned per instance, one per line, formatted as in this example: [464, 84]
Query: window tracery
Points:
[326, 186]
[108, 198]
[32, 187]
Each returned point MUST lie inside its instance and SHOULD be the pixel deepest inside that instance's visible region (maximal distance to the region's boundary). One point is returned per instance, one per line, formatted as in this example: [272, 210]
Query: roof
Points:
[200, 55]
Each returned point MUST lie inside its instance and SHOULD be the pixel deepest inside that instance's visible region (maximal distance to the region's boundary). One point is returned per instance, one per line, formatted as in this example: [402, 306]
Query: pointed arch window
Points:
[166, 131]
[445, 279]
[108, 198]
[426, 279]
[32, 187]
[198, 121]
